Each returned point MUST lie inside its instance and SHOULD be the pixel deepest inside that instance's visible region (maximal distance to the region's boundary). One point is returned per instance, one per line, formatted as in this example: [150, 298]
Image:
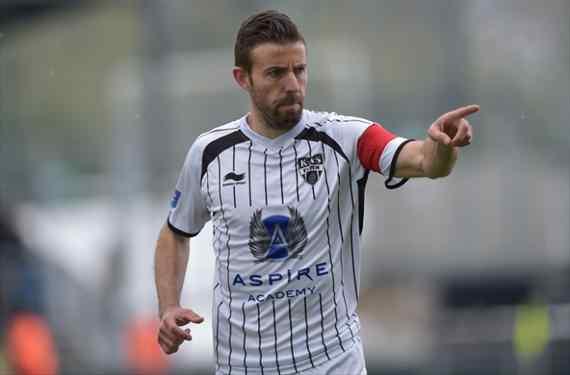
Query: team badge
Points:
[277, 237]
[311, 168]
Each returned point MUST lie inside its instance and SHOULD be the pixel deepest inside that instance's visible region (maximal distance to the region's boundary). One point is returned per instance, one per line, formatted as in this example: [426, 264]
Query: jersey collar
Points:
[279, 142]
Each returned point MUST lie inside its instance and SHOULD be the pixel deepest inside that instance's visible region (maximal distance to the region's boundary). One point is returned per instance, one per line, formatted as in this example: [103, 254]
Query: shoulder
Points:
[343, 129]
[331, 120]
[212, 143]
[217, 133]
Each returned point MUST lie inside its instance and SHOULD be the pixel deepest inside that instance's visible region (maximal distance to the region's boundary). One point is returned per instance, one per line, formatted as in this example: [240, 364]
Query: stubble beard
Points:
[280, 119]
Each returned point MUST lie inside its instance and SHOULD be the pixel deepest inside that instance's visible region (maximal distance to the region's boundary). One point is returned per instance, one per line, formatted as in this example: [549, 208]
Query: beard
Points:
[284, 114]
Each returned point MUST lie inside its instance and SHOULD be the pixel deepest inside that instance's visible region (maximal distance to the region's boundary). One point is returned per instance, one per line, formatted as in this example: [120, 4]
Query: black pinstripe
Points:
[342, 246]
[275, 336]
[323, 326]
[352, 234]
[296, 170]
[307, 333]
[218, 332]
[281, 175]
[259, 335]
[265, 175]
[233, 169]
[249, 171]
[291, 337]
[216, 234]
[227, 261]
[330, 255]
[244, 338]
[310, 155]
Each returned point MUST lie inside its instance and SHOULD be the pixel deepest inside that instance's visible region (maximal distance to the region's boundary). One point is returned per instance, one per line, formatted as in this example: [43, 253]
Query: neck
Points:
[258, 124]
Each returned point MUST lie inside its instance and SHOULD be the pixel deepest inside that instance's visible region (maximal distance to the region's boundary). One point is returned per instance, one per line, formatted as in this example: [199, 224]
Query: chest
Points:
[247, 176]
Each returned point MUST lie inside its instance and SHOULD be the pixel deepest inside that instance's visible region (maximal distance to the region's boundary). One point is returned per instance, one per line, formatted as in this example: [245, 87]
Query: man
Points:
[284, 188]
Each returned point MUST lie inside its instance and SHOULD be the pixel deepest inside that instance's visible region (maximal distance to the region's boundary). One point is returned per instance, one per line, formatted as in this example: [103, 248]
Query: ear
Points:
[241, 76]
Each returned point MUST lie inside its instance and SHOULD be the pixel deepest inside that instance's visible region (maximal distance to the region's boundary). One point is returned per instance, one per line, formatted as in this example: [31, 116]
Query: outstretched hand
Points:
[170, 335]
[452, 129]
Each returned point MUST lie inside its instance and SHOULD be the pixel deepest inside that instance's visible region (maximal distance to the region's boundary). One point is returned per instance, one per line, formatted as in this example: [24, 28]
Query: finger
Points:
[172, 343]
[188, 334]
[173, 336]
[165, 339]
[186, 316]
[439, 136]
[460, 113]
[168, 346]
[461, 135]
[469, 133]
[176, 332]
[169, 349]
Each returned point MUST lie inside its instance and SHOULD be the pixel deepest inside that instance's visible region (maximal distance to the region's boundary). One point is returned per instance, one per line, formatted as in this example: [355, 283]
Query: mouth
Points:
[290, 105]
[289, 101]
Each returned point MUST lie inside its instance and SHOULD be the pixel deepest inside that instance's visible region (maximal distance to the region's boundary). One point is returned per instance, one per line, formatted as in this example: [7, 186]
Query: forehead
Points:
[270, 54]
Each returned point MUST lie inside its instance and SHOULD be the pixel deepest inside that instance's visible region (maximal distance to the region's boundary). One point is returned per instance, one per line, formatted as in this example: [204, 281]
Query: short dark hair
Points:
[263, 27]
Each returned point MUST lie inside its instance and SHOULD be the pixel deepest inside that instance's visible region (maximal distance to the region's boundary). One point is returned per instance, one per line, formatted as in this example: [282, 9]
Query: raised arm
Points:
[170, 261]
[436, 155]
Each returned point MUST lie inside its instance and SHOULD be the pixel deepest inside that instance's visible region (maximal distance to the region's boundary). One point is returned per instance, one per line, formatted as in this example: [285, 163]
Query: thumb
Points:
[186, 316]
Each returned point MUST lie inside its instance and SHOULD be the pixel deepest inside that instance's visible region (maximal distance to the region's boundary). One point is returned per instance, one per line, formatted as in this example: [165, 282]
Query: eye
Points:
[274, 73]
[300, 70]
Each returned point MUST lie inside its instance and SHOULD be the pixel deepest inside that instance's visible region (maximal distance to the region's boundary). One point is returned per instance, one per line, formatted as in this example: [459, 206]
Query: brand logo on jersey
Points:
[311, 168]
[277, 237]
[233, 178]
[175, 199]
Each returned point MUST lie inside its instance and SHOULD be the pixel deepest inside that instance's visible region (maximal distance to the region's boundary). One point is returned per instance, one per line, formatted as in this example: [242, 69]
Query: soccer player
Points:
[284, 189]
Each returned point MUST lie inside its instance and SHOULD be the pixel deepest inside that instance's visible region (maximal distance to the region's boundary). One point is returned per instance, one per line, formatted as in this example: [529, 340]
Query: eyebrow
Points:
[281, 67]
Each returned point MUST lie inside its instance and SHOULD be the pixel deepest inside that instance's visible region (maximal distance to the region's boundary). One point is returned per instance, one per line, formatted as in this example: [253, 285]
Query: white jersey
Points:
[287, 216]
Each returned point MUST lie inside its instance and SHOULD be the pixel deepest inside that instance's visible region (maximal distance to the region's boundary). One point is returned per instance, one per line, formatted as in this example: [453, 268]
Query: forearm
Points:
[170, 261]
[438, 159]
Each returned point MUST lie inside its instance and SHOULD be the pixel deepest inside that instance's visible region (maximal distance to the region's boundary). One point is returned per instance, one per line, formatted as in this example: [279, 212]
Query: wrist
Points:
[163, 310]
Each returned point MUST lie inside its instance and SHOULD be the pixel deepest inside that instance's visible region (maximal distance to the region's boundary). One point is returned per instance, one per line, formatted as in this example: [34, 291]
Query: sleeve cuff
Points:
[395, 182]
[178, 231]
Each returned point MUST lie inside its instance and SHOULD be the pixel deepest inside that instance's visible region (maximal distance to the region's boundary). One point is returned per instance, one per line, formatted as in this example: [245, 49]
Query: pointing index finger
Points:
[460, 112]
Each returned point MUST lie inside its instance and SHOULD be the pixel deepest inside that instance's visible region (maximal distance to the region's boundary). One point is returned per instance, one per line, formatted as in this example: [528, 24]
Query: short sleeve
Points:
[188, 209]
[378, 150]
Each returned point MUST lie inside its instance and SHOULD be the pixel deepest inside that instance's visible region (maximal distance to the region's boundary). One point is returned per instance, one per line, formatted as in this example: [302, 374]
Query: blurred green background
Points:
[100, 100]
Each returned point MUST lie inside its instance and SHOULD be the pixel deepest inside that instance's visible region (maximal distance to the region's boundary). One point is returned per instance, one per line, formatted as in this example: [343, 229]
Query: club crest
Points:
[311, 168]
[277, 237]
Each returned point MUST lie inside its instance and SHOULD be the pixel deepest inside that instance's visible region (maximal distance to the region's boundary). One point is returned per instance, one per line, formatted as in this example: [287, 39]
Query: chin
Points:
[292, 115]
[291, 120]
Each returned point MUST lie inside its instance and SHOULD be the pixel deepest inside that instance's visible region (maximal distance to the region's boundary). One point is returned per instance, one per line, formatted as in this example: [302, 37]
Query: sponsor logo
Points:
[293, 279]
[175, 199]
[233, 178]
[277, 237]
[311, 168]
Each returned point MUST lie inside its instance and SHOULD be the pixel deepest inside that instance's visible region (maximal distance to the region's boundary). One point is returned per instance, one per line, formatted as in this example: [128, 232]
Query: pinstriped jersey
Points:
[287, 215]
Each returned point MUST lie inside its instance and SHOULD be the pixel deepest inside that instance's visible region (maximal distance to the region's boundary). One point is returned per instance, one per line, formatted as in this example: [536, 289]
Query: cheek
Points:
[263, 95]
[303, 83]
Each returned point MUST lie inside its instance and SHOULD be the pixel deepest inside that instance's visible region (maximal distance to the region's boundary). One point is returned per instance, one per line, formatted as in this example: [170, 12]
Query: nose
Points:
[291, 83]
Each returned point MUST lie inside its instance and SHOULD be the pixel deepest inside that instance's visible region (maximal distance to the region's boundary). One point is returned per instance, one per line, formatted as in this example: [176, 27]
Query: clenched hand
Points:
[170, 335]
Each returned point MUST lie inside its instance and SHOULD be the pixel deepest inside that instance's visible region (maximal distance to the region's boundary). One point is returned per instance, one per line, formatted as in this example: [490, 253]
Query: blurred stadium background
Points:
[99, 101]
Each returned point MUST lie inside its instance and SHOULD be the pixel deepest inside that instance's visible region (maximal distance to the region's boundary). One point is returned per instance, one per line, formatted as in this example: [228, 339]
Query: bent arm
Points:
[426, 158]
[436, 156]
[170, 262]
